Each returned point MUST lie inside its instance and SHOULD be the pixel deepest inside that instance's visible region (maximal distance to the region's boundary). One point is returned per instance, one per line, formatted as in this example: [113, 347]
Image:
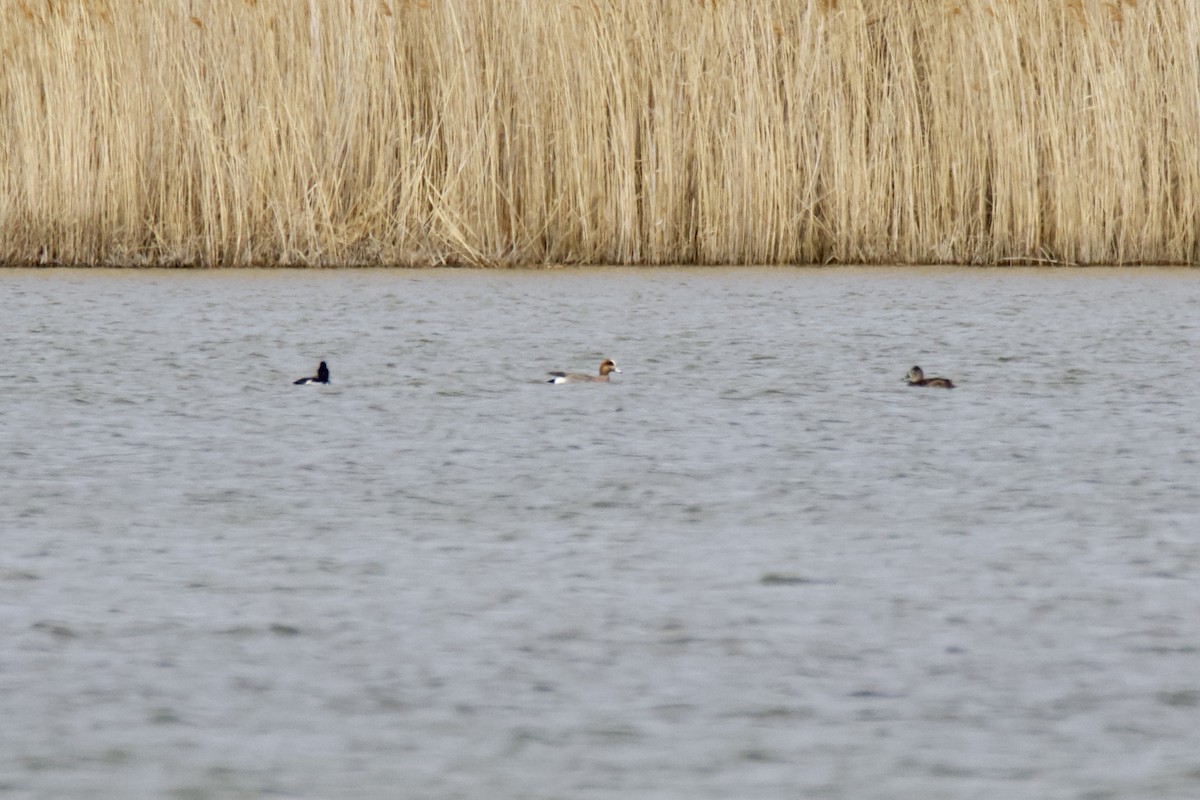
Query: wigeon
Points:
[916, 377]
[606, 366]
[322, 376]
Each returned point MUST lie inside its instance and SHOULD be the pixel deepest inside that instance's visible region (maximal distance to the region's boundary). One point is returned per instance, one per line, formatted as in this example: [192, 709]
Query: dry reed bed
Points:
[329, 132]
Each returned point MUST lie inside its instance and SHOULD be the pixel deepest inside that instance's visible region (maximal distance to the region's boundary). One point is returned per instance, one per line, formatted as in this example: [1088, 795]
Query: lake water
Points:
[754, 565]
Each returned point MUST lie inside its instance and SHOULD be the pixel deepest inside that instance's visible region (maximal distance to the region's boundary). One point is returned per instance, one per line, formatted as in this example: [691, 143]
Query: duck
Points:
[916, 377]
[606, 366]
[322, 376]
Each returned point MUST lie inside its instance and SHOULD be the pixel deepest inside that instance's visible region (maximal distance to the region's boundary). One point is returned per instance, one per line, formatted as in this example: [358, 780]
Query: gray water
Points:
[754, 565]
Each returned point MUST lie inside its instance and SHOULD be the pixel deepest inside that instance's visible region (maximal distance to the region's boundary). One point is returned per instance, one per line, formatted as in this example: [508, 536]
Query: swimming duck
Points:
[322, 376]
[606, 366]
[916, 377]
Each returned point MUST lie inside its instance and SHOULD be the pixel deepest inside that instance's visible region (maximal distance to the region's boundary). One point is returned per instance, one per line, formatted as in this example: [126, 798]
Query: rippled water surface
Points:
[755, 565]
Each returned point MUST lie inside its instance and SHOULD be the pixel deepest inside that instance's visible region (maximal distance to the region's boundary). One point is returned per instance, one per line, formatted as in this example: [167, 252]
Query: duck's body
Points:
[916, 377]
[322, 376]
[606, 367]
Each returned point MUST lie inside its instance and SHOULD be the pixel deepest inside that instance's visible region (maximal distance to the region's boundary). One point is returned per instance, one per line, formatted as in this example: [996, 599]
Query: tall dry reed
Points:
[329, 132]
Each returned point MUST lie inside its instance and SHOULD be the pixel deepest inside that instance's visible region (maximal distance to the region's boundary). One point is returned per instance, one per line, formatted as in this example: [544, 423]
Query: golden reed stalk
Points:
[511, 132]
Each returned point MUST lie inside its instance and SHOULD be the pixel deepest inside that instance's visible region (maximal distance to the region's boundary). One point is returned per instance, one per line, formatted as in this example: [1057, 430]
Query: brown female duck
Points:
[916, 377]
